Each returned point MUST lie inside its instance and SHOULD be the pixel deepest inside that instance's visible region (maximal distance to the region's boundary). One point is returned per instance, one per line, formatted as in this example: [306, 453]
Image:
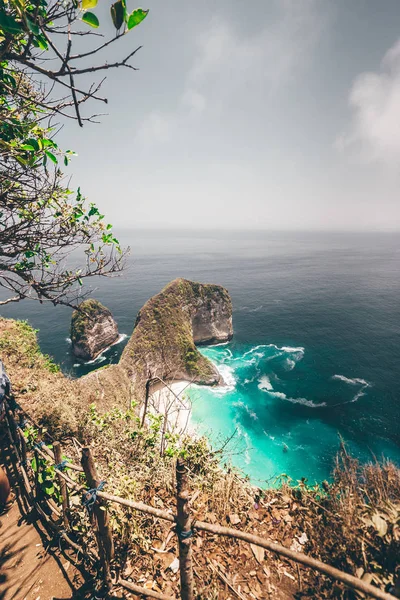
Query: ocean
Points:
[316, 350]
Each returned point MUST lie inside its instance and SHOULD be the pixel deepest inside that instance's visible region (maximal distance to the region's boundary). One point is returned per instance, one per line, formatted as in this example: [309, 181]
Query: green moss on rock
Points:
[163, 344]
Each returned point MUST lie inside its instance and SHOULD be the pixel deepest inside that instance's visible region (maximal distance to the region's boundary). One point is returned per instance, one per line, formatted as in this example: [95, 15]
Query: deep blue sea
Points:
[316, 350]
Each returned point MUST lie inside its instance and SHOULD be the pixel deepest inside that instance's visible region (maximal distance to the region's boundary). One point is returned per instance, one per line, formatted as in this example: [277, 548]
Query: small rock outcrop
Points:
[93, 329]
[167, 329]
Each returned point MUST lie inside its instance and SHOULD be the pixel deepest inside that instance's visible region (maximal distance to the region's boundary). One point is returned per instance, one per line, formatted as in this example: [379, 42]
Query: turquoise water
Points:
[316, 347]
[275, 431]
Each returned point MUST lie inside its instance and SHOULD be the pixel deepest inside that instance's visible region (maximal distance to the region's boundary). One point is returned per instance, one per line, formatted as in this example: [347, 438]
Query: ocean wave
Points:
[101, 358]
[264, 383]
[291, 350]
[290, 364]
[243, 406]
[227, 375]
[302, 401]
[250, 309]
[355, 381]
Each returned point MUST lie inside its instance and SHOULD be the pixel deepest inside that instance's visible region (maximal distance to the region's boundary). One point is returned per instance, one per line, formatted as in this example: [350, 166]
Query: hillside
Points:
[333, 521]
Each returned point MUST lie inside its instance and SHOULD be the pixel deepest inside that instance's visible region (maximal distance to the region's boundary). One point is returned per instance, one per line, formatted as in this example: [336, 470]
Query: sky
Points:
[265, 114]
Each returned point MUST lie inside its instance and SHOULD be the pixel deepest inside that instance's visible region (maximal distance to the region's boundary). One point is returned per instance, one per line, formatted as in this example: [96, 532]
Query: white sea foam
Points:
[98, 359]
[68, 340]
[256, 309]
[291, 350]
[252, 350]
[355, 381]
[264, 383]
[244, 407]
[289, 364]
[101, 358]
[302, 401]
[227, 375]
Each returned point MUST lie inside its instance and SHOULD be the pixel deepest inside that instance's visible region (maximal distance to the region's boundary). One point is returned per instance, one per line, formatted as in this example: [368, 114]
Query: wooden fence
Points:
[96, 500]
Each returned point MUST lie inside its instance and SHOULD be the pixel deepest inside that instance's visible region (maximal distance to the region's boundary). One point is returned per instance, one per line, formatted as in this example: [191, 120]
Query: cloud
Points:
[374, 133]
[228, 58]
[232, 66]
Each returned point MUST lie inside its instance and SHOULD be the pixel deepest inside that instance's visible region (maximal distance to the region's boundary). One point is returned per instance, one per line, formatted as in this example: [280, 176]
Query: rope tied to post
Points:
[90, 497]
[184, 535]
[62, 465]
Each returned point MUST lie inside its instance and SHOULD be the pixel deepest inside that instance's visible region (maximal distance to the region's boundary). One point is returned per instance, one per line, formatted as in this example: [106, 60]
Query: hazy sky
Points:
[280, 114]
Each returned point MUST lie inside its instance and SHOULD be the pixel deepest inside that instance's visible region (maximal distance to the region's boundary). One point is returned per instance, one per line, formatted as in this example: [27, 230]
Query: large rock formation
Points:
[168, 327]
[93, 329]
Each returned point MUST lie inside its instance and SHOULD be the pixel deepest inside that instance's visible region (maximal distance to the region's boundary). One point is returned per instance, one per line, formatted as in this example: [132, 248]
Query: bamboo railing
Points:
[95, 499]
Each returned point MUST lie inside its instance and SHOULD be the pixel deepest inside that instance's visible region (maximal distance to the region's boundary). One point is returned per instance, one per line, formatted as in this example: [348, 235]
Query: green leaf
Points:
[48, 488]
[88, 4]
[33, 142]
[9, 24]
[28, 147]
[136, 17]
[33, 27]
[46, 142]
[91, 19]
[118, 14]
[40, 42]
[51, 156]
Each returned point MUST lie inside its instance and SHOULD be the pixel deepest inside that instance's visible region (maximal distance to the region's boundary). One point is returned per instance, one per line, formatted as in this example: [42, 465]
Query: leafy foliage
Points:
[41, 220]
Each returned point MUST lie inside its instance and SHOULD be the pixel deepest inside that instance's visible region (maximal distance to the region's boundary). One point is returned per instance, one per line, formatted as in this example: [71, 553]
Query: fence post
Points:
[184, 531]
[99, 518]
[63, 485]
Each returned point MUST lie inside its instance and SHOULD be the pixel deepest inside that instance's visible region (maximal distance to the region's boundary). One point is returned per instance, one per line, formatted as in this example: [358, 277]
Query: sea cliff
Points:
[93, 329]
[167, 329]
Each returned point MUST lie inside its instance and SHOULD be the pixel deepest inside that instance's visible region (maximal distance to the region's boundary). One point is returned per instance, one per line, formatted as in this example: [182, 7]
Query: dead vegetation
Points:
[352, 522]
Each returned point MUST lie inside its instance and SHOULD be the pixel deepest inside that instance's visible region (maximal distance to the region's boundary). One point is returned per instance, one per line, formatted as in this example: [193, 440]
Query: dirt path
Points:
[31, 565]
[27, 570]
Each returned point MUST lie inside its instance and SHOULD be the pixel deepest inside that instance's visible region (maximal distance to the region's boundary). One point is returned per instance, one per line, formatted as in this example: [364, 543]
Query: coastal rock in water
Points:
[93, 329]
[168, 327]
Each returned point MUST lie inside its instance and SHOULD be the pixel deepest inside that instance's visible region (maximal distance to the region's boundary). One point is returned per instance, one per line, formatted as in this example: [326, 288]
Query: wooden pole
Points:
[13, 429]
[99, 518]
[24, 451]
[63, 485]
[146, 399]
[184, 531]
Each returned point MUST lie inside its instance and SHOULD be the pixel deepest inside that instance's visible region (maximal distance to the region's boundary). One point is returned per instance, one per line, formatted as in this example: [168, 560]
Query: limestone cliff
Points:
[168, 327]
[93, 329]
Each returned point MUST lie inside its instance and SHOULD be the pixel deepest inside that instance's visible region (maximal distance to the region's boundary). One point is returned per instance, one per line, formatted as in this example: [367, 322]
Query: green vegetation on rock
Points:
[163, 342]
[82, 319]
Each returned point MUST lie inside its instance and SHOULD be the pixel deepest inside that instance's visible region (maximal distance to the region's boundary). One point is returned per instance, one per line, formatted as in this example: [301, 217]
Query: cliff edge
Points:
[93, 329]
[167, 328]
